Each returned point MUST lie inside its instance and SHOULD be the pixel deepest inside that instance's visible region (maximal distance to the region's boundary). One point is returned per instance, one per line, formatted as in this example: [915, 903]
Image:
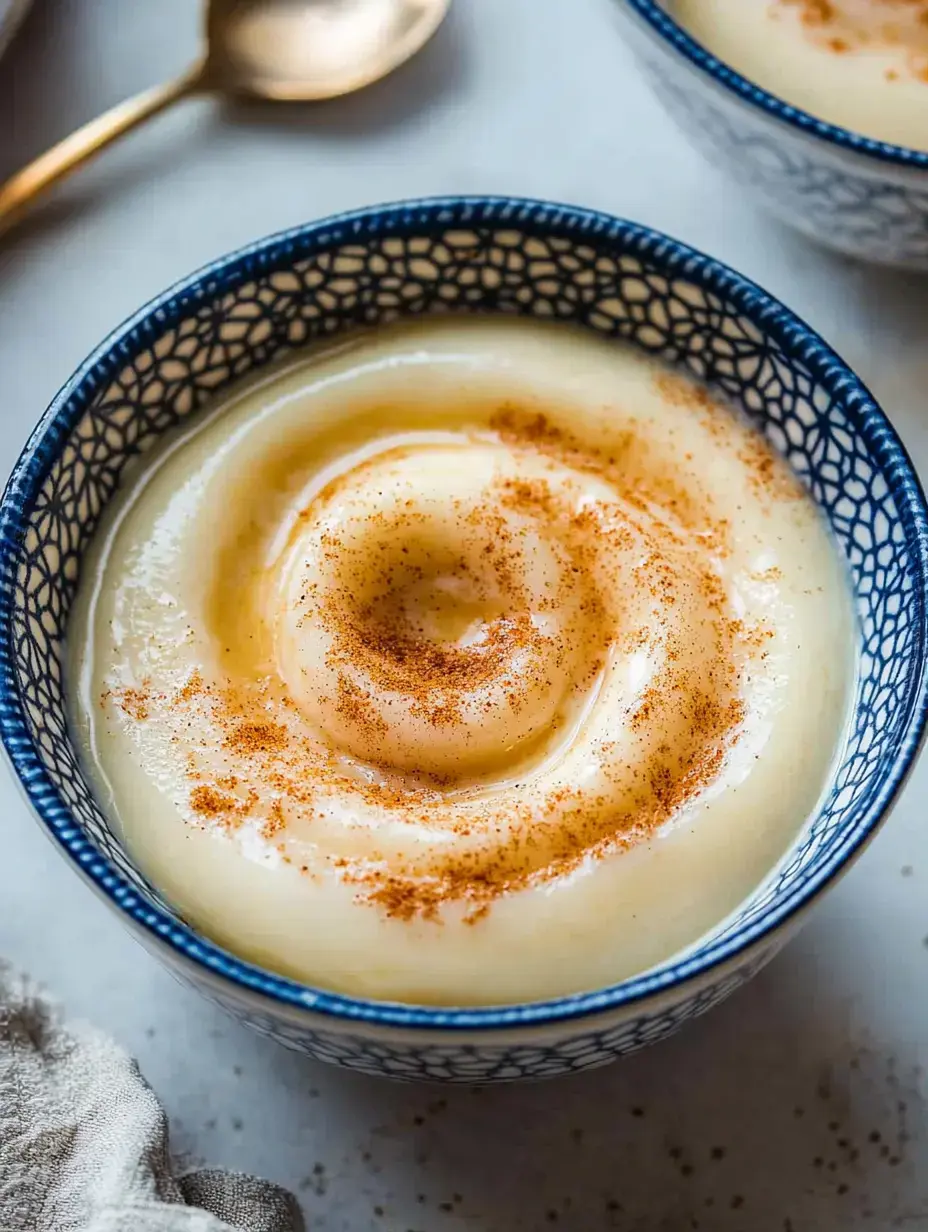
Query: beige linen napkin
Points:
[84, 1142]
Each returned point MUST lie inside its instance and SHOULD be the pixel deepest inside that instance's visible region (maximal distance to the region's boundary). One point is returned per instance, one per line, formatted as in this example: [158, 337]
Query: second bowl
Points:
[863, 197]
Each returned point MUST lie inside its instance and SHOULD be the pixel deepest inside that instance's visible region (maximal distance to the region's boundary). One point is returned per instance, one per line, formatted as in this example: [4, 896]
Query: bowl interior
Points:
[502, 256]
[657, 15]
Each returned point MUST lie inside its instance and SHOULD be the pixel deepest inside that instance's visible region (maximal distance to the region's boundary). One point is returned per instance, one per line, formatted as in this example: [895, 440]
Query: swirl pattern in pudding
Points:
[468, 662]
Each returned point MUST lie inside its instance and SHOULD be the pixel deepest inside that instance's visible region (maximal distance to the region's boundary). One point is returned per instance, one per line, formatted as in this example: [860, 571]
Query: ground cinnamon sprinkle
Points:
[677, 391]
[275, 821]
[842, 26]
[210, 804]
[249, 738]
[357, 706]
[768, 477]
[133, 701]
[571, 829]
[379, 643]
[754, 635]
[395, 660]
[255, 758]
[773, 574]
[194, 686]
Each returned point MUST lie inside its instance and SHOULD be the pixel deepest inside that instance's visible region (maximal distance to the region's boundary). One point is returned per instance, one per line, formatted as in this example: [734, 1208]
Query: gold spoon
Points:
[287, 50]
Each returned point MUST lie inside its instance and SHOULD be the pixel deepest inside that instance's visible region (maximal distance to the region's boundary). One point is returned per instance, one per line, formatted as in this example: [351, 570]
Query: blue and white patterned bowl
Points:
[863, 197]
[506, 256]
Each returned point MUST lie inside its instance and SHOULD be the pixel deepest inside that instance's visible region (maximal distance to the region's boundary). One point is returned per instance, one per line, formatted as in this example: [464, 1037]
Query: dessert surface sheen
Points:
[861, 64]
[466, 662]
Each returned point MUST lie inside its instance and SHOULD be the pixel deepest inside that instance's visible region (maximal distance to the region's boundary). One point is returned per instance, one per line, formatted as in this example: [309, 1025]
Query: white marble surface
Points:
[802, 1103]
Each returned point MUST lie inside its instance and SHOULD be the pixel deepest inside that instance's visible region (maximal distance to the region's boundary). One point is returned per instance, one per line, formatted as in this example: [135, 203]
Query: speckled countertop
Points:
[801, 1104]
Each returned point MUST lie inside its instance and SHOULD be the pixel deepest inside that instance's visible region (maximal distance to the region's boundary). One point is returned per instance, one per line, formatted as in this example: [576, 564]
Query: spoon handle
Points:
[22, 189]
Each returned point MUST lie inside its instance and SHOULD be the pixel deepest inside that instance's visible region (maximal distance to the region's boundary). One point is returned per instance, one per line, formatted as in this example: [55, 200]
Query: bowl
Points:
[863, 197]
[498, 256]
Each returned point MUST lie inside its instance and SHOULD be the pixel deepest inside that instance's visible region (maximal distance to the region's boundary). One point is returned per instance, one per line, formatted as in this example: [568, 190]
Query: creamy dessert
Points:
[470, 661]
[861, 64]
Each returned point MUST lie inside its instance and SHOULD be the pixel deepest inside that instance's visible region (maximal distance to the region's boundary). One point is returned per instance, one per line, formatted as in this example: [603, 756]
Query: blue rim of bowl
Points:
[409, 218]
[670, 31]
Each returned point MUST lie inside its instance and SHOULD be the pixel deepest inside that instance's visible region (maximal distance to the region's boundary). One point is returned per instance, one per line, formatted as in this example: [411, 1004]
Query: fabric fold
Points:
[84, 1140]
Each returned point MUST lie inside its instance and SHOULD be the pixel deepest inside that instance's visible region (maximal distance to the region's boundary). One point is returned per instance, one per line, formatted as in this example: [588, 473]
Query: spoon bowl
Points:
[304, 50]
[283, 50]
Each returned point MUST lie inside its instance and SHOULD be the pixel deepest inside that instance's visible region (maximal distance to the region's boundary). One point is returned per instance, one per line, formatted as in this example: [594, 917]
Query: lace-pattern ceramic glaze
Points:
[613, 277]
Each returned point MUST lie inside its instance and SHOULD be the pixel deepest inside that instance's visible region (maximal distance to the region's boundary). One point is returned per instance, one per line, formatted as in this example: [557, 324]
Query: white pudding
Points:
[861, 64]
[471, 661]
